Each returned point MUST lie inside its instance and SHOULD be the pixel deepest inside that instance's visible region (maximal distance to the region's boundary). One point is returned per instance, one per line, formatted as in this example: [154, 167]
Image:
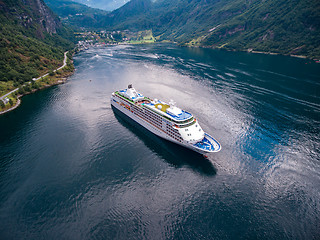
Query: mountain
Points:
[283, 26]
[80, 15]
[133, 15]
[280, 26]
[32, 40]
[76, 14]
[288, 27]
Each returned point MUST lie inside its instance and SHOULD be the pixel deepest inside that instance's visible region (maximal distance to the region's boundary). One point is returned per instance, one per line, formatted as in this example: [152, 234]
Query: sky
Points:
[108, 5]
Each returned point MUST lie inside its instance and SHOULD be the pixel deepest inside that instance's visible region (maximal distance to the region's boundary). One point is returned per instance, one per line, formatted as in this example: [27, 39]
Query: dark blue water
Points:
[70, 168]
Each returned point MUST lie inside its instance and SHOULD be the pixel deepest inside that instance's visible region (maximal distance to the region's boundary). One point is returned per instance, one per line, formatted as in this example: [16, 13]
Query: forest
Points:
[31, 42]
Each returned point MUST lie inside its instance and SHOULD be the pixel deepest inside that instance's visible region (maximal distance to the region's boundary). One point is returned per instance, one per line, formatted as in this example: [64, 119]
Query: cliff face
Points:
[32, 14]
[32, 40]
[49, 21]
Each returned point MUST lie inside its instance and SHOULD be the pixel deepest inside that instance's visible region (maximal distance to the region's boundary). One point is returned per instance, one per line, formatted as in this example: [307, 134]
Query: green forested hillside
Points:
[32, 41]
[289, 27]
[134, 15]
[76, 14]
[282, 26]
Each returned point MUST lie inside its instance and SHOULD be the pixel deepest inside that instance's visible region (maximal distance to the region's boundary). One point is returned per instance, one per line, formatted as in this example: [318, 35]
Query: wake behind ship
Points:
[164, 120]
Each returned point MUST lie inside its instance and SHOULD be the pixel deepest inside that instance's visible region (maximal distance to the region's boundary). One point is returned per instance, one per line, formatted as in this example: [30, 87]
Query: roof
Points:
[132, 94]
[171, 112]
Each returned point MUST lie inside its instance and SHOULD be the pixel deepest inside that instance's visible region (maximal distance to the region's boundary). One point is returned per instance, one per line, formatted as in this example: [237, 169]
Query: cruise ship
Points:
[164, 120]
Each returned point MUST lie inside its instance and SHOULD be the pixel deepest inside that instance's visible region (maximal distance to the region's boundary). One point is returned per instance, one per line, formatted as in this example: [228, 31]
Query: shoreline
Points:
[58, 81]
[273, 53]
[279, 54]
[250, 50]
[13, 107]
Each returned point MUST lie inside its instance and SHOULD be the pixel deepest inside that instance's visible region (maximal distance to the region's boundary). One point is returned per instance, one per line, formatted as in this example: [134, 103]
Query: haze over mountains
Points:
[281, 26]
[107, 5]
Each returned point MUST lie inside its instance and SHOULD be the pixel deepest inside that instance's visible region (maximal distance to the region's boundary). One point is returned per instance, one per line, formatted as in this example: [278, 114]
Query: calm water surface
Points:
[70, 168]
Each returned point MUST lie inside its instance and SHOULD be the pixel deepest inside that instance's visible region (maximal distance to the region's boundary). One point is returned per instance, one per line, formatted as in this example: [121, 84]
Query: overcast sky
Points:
[108, 5]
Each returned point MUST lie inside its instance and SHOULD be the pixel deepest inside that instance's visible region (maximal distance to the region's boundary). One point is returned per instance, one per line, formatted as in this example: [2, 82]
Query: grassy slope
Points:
[143, 37]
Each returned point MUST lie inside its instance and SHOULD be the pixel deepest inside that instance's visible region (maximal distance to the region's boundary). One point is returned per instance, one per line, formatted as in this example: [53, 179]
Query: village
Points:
[102, 38]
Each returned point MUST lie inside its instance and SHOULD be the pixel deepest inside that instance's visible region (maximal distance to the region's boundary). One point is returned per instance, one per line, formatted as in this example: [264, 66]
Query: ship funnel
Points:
[172, 103]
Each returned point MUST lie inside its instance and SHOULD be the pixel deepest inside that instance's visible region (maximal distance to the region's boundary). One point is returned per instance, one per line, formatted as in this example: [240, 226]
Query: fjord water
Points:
[71, 168]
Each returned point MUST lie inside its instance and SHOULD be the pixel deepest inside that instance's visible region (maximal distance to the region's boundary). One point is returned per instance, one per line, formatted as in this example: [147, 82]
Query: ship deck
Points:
[141, 101]
[184, 115]
[208, 144]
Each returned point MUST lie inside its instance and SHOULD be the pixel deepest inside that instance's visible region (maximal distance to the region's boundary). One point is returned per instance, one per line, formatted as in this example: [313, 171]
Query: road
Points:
[36, 79]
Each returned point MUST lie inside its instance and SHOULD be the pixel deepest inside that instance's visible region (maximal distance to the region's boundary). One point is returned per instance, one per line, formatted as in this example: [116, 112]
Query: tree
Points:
[35, 85]
[21, 90]
[27, 88]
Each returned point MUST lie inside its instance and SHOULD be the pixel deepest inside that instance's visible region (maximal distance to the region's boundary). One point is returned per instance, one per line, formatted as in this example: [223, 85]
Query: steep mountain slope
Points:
[287, 27]
[76, 14]
[32, 40]
[133, 15]
[189, 18]
[282, 26]
[175, 19]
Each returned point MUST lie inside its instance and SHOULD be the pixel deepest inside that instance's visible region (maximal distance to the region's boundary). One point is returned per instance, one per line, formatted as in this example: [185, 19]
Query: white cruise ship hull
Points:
[214, 145]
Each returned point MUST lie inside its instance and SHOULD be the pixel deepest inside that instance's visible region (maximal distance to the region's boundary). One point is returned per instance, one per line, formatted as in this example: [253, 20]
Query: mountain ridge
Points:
[281, 26]
[77, 14]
